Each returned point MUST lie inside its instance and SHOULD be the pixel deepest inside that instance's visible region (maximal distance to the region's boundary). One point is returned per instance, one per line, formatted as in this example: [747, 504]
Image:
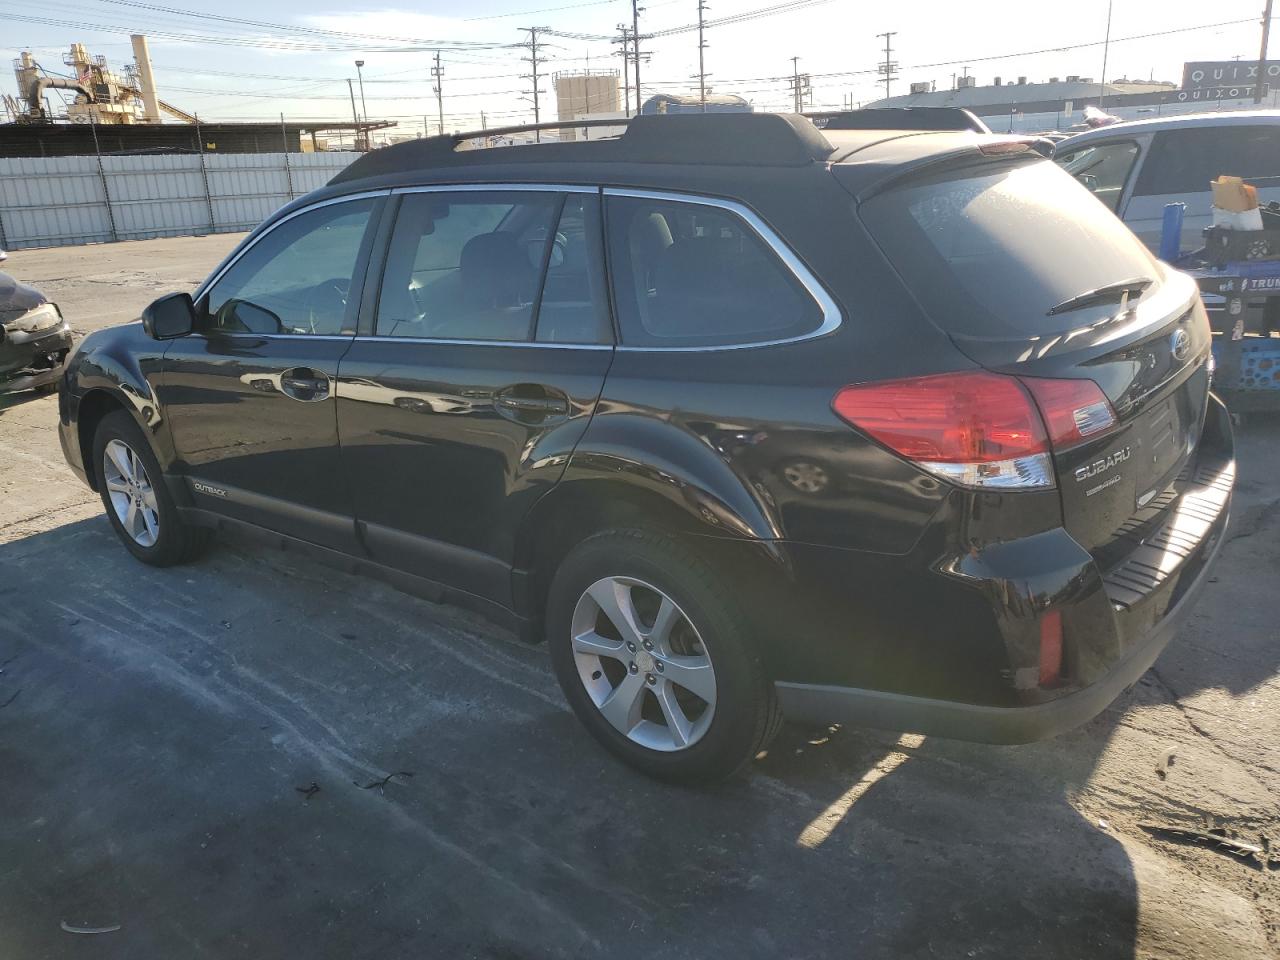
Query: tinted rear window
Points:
[990, 249]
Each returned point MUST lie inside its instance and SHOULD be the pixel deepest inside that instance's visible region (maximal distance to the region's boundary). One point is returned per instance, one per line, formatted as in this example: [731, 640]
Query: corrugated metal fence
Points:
[48, 202]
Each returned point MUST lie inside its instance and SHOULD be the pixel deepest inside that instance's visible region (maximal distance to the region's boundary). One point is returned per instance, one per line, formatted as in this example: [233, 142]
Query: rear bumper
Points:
[1123, 618]
[985, 724]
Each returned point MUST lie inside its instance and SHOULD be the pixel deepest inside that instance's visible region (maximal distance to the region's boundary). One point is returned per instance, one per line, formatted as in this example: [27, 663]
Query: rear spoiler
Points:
[993, 147]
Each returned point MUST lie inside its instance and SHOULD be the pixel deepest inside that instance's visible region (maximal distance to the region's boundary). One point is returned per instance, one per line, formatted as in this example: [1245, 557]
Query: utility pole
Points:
[635, 40]
[625, 53]
[1262, 54]
[702, 68]
[889, 68]
[1106, 49]
[800, 88]
[437, 74]
[532, 59]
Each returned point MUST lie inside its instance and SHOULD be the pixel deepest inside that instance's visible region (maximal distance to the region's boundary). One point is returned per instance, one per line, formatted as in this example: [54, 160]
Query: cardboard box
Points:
[1233, 195]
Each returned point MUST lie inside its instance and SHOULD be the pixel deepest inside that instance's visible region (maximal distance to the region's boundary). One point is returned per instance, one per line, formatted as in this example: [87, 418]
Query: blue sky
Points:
[237, 71]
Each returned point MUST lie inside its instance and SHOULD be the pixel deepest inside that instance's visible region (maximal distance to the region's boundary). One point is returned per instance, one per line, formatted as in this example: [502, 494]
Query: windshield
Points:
[991, 251]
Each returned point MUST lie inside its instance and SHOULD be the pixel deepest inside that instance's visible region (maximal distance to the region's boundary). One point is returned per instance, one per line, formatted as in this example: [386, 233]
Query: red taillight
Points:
[1073, 410]
[977, 429]
[1050, 648]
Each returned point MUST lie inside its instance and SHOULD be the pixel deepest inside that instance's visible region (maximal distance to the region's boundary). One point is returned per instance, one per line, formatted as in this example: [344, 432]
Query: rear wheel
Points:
[656, 656]
[136, 500]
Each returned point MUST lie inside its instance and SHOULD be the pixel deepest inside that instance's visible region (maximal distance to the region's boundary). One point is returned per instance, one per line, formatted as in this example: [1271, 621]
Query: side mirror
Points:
[172, 316]
[1090, 182]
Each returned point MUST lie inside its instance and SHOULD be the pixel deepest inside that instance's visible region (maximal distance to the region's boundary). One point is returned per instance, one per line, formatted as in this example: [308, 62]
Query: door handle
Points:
[304, 384]
[529, 403]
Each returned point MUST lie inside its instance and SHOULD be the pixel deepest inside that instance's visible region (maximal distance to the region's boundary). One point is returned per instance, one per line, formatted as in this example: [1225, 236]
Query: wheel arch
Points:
[94, 407]
[578, 509]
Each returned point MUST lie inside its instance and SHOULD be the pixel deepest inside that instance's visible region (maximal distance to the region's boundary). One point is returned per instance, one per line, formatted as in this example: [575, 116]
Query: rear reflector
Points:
[1074, 410]
[975, 429]
[1050, 648]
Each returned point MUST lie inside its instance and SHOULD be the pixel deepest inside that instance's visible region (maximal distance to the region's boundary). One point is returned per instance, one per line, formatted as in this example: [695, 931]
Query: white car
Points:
[1136, 168]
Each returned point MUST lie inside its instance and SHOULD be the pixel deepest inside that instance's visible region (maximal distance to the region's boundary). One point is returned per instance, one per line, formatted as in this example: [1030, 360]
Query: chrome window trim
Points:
[472, 187]
[542, 344]
[831, 315]
[243, 335]
[217, 275]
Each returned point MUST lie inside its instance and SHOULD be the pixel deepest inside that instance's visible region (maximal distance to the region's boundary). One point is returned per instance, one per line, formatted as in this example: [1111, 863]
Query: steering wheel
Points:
[534, 248]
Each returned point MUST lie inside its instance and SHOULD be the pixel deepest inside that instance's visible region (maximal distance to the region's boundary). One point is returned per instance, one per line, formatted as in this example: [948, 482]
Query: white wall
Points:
[52, 201]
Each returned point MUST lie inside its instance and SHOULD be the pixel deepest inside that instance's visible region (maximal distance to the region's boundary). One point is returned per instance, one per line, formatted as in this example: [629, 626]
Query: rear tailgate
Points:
[1029, 275]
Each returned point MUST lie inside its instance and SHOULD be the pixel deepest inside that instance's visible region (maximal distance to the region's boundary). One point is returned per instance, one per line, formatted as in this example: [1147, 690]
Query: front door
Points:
[250, 395]
[460, 402]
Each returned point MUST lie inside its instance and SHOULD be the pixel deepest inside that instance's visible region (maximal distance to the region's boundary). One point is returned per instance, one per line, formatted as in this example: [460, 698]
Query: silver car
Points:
[1136, 168]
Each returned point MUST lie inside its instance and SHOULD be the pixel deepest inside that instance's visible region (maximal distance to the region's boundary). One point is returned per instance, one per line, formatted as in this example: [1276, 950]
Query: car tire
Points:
[151, 527]
[627, 685]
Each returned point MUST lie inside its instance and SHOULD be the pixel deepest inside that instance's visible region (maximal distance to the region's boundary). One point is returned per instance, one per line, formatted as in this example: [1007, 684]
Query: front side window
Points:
[693, 274]
[297, 278]
[1103, 168]
[467, 265]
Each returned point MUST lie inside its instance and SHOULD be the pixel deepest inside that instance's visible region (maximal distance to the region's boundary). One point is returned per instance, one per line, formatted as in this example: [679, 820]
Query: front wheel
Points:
[137, 503]
[656, 655]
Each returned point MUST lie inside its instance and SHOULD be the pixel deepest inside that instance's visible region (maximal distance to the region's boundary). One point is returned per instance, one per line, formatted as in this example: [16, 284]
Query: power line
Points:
[534, 13]
[291, 28]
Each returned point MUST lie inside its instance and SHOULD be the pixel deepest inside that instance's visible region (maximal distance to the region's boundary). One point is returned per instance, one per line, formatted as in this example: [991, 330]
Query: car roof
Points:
[660, 149]
[1153, 124]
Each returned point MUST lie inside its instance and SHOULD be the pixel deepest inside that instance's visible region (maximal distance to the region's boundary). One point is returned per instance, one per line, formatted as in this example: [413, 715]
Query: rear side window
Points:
[1185, 160]
[693, 274]
[991, 249]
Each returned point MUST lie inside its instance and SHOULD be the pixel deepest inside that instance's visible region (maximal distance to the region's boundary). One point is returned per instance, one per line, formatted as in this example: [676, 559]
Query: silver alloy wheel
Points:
[643, 664]
[131, 494]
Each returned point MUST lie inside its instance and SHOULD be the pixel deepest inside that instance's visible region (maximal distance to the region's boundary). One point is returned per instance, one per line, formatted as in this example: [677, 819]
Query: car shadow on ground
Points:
[17, 398]
[168, 726]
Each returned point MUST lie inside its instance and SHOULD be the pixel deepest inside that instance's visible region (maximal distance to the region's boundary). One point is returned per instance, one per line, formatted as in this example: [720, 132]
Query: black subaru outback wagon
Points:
[747, 420]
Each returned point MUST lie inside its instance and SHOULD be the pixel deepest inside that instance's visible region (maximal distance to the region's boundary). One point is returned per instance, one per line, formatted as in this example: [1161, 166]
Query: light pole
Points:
[363, 109]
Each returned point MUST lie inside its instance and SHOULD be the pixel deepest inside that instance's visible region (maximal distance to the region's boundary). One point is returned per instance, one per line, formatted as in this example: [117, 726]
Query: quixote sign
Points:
[1224, 79]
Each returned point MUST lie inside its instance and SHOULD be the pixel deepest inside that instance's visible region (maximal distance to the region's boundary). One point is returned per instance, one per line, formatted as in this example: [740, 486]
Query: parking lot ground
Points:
[161, 732]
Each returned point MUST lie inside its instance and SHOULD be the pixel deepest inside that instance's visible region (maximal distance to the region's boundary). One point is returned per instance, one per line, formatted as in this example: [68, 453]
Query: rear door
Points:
[249, 396]
[1030, 277]
[479, 363]
[1182, 161]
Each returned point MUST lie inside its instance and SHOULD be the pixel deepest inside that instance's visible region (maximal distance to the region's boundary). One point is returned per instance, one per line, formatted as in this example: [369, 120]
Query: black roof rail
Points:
[730, 139]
